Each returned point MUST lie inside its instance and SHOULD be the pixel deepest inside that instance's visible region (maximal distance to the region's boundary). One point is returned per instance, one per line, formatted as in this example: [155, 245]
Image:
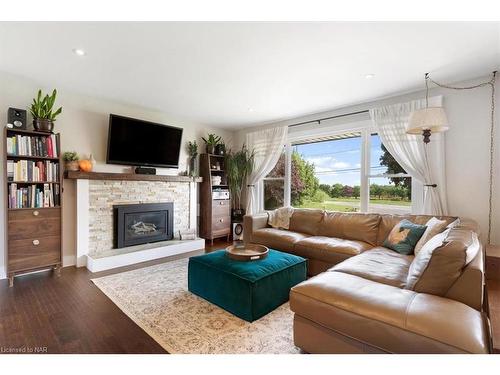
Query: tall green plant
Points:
[239, 165]
[42, 108]
[192, 148]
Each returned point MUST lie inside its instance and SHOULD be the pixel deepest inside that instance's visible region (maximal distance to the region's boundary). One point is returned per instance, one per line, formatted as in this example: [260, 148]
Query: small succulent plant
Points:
[70, 156]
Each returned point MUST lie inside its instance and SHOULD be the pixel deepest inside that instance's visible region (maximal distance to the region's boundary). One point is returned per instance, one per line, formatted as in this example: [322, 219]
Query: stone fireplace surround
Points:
[97, 193]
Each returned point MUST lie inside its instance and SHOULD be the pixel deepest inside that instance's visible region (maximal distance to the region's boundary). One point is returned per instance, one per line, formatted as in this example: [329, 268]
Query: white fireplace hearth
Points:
[97, 193]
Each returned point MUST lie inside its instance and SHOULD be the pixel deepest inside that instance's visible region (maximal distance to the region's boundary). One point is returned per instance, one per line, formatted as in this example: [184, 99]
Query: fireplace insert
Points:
[137, 224]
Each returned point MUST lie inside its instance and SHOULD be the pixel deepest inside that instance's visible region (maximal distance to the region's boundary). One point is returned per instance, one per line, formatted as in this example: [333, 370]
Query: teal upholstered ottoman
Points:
[248, 290]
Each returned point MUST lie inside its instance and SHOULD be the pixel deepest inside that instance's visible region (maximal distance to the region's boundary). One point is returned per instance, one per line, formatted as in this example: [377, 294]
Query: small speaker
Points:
[17, 118]
[145, 170]
[237, 231]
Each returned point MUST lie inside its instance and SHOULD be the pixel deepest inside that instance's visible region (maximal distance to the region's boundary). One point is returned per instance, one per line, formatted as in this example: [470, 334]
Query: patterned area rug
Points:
[157, 299]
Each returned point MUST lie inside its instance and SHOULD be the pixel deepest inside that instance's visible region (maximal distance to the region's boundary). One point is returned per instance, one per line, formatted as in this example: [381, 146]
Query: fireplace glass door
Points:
[143, 223]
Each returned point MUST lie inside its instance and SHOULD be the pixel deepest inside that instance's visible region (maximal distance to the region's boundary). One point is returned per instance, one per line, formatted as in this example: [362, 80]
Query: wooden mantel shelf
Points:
[76, 175]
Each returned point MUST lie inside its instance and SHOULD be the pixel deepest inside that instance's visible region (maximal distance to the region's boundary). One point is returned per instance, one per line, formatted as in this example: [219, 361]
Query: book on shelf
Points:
[36, 145]
[32, 171]
[34, 196]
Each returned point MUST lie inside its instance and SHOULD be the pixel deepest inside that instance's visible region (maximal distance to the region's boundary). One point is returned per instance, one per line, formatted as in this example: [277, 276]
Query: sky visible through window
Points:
[339, 161]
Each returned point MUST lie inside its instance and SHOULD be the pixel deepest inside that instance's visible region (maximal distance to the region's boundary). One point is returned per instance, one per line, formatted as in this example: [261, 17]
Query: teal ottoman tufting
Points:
[248, 290]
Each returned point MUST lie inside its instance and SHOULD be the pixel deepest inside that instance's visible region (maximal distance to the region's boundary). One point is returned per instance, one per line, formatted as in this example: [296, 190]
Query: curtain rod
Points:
[328, 118]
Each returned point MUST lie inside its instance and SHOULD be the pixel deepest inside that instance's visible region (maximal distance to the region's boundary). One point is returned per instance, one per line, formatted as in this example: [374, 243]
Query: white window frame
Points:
[416, 187]
[365, 127]
[286, 180]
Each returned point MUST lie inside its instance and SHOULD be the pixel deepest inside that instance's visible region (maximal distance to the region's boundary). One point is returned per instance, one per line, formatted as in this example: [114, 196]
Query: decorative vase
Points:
[43, 125]
[210, 149]
[192, 166]
[220, 149]
[92, 161]
[72, 166]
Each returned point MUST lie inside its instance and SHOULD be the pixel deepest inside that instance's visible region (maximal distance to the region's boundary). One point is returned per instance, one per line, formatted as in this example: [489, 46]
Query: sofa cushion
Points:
[350, 226]
[306, 220]
[404, 236]
[278, 239]
[441, 261]
[379, 264]
[388, 221]
[434, 226]
[392, 319]
[329, 249]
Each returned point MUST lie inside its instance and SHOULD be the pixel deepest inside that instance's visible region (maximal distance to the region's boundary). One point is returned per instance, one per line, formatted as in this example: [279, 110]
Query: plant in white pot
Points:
[239, 165]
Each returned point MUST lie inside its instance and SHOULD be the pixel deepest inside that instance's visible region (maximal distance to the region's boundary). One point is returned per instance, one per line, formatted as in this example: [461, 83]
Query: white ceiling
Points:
[238, 74]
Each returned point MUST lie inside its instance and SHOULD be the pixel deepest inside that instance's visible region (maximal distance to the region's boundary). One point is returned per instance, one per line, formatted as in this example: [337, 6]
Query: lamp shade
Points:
[432, 118]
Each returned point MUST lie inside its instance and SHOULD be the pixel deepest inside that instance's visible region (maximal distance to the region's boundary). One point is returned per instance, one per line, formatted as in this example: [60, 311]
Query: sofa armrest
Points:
[386, 317]
[252, 223]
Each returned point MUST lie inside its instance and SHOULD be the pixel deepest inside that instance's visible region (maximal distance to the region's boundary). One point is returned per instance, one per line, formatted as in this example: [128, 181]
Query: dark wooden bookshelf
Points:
[34, 235]
[10, 157]
[27, 208]
[27, 132]
[33, 182]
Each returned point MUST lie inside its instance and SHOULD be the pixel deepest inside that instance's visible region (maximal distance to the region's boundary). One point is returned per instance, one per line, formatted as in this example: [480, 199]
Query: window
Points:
[389, 184]
[274, 186]
[326, 173]
[350, 171]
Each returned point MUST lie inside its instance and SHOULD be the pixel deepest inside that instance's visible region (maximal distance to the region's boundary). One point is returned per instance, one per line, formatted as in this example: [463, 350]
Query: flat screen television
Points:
[143, 143]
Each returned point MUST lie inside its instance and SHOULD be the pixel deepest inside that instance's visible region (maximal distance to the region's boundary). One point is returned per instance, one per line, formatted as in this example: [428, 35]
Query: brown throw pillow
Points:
[440, 262]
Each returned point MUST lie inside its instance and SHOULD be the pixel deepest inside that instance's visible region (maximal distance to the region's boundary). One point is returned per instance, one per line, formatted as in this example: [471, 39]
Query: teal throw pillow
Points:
[404, 236]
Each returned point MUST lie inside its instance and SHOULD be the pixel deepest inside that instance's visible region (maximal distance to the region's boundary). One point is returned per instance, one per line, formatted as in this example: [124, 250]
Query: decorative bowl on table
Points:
[247, 252]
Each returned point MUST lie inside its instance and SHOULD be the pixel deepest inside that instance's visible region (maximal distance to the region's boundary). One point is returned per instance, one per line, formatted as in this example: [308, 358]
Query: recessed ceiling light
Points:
[250, 109]
[79, 52]
[370, 76]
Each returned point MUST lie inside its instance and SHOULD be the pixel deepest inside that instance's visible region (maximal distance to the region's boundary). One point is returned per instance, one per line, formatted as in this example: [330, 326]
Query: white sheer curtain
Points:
[408, 150]
[268, 146]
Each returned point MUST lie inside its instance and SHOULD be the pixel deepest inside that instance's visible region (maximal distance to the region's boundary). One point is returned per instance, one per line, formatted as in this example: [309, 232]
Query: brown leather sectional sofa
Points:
[359, 299]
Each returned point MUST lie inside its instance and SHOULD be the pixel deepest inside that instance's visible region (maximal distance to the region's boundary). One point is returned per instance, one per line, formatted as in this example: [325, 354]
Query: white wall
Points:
[83, 125]
[467, 147]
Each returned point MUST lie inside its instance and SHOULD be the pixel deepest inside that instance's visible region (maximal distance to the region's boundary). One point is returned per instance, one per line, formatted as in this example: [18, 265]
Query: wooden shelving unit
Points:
[34, 235]
[215, 214]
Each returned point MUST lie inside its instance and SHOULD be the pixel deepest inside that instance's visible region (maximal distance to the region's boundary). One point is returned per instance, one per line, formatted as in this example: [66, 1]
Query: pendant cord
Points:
[427, 90]
[490, 83]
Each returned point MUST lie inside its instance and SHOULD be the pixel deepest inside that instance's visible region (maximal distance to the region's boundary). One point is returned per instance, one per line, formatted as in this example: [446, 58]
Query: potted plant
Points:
[220, 148]
[210, 143]
[239, 165]
[43, 112]
[71, 161]
[193, 153]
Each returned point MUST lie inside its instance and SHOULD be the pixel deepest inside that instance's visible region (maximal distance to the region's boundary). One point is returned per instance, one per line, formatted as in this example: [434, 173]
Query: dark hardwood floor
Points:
[69, 314]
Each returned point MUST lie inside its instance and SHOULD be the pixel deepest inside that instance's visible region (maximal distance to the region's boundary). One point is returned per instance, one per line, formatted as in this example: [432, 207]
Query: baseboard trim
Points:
[69, 260]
